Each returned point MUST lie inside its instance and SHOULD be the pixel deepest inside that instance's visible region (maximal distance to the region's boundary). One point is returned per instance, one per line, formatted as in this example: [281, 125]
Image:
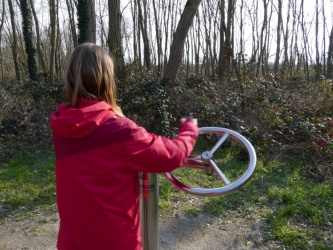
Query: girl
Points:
[99, 153]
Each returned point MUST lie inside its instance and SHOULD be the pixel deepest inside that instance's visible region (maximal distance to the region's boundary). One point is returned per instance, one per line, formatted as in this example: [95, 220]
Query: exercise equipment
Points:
[207, 163]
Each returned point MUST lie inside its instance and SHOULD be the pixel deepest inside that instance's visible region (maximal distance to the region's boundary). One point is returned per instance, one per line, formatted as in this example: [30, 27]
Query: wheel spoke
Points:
[219, 143]
[219, 173]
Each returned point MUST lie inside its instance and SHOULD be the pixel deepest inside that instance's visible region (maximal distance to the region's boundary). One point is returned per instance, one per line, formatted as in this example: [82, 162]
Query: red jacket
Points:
[98, 157]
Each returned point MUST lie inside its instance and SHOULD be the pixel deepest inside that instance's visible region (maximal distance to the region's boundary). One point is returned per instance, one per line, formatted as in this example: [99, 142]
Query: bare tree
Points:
[197, 44]
[115, 42]
[71, 11]
[177, 47]
[262, 46]
[222, 44]
[293, 46]
[210, 15]
[58, 47]
[53, 39]
[14, 43]
[278, 38]
[317, 67]
[86, 21]
[207, 27]
[136, 51]
[28, 39]
[229, 52]
[166, 22]
[305, 40]
[226, 39]
[241, 58]
[324, 37]
[142, 21]
[255, 35]
[330, 56]
[158, 39]
[216, 31]
[101, 30]
[286, 37]
[1, 27]
[38, 39]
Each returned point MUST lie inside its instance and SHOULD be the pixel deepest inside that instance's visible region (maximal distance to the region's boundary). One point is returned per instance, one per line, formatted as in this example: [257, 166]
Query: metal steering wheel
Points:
[205, 161]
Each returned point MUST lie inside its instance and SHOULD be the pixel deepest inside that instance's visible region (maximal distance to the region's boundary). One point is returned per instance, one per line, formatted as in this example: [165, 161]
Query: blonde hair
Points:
[90, 75]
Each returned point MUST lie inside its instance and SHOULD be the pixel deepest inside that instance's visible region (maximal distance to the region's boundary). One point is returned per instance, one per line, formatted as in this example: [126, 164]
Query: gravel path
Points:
[181, 232]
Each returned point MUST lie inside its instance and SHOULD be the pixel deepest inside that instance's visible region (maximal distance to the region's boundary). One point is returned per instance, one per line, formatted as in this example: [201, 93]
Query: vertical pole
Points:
[149, 211]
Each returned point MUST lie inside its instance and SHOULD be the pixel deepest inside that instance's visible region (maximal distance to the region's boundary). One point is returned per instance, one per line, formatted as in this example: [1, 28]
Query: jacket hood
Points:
[81, 121]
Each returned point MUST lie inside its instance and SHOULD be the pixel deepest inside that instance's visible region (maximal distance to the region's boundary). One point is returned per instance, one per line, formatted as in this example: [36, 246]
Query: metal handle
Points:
[188, 115]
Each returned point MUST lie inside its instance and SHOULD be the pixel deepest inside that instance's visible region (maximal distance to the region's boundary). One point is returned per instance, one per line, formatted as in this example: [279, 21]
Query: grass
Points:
[27, 183]
[297, 210]
[302, 208]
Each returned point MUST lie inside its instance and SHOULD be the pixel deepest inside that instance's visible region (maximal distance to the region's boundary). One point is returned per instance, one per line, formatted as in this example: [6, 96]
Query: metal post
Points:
[149, 211]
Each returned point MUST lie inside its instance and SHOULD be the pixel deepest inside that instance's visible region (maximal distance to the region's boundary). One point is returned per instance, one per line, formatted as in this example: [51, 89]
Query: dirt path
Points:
[36, 233]
[182, 232]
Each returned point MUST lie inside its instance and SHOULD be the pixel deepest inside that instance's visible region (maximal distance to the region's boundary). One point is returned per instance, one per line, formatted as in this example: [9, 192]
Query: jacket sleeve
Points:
[156, 154]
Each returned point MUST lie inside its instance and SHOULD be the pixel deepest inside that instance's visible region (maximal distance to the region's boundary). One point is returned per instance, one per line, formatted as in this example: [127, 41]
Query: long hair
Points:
[90, 75]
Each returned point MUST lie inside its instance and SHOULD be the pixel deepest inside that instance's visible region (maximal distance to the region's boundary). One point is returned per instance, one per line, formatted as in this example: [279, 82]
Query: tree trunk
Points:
[215, 39]
[286, 37]
[166, 25]
[86, 21]
[278, 38]
[222, 44]
[58, 48]
[262, 48]
[241, 38]
[14, 44]
[115, 43]
[28, 40]
[255, 38]
[53, 39]
[177, 47]
[135, 30]
[71, 11]
[1, 27]
[317, 67]
[305, 42]
[38, 41]
[92, 21]
[330, 56]
[207, 27]
[324, 38]
[158, 39]
[143, 26]
[293, 46]
[266, 43]
[229, 48]
[103, 34]
[197, 46]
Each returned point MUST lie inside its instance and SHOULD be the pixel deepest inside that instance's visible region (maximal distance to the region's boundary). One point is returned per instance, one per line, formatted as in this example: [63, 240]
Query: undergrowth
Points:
[296, 118]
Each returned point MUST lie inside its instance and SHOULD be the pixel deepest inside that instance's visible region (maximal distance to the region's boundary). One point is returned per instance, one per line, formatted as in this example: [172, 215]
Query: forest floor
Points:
[181, 232]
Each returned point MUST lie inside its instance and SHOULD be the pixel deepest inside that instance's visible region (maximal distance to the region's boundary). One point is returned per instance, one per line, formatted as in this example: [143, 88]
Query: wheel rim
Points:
[206, 159]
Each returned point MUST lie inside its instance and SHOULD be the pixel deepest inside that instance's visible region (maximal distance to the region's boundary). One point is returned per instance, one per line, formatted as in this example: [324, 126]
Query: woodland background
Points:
[262, 68]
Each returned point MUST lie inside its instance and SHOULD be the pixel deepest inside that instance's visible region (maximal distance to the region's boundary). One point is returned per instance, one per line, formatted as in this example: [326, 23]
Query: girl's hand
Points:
[191, 120]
